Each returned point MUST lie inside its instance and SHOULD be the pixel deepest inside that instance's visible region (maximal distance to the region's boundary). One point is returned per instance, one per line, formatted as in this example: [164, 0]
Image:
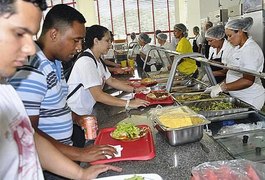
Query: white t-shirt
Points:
[249, 56]
[199, 40]
[85, 71]
[19, 159]
[226, 52]
[167, 46]
[153, 54]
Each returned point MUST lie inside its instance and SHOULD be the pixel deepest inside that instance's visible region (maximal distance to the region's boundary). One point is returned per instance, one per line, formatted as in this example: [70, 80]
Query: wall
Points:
[87, 8]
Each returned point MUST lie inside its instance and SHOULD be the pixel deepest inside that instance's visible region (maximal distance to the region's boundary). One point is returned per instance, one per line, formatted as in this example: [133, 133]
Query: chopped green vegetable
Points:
[127, 130]
[135, 178]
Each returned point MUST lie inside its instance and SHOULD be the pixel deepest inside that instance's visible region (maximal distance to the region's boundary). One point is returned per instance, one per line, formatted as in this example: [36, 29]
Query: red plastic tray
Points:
[141, 149]
[167, 101]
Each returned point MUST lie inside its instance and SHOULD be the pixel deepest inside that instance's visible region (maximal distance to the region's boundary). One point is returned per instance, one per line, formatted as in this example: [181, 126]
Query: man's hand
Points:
[93, 171]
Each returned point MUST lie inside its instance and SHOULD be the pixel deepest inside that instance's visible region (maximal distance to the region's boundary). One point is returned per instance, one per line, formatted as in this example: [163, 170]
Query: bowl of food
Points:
[158, 95]
[128, 132]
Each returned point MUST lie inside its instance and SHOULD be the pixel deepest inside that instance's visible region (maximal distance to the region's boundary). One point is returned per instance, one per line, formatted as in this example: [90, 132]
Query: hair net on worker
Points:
[133, 35]
[144, 37]
[196, 29]
[181, 27]
[243, 24]
[157, 32]
[162, 36]
[216, 32]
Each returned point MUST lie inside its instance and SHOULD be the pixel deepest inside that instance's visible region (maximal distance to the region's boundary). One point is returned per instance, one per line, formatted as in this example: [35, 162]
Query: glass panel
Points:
[131, 16]
[118, 18]
[104, 11]
[146, 17]
[160, 10]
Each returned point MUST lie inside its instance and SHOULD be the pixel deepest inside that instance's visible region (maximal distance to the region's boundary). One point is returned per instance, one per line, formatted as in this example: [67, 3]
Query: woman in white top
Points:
[220, 51]
[93, 74]
[162, 40]
[144, 41]
[247, 55]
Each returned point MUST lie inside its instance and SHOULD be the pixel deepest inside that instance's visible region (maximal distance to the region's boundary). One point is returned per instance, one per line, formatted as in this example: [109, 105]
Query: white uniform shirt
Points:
[145, 49]
[226, 52]
[19, 159]
[199, 40]
[86, 72]
[249, 56]
[167, 46]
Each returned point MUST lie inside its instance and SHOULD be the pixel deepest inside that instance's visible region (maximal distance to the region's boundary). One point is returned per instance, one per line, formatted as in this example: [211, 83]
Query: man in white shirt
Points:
[19, 144]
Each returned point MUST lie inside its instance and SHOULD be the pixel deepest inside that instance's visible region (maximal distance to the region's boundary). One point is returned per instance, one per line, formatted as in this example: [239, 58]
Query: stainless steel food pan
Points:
[179, 136]
[190, 88]
[196, 96]
[238, 106]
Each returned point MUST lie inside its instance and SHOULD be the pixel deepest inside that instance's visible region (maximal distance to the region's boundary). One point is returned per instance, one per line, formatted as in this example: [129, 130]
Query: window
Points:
[126, 16]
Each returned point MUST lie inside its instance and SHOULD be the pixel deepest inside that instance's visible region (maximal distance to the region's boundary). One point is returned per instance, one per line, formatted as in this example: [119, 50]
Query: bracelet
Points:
[127, 104]
[223, 87]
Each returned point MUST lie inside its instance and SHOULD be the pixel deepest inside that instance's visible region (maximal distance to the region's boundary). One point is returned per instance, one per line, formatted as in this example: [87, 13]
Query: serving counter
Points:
[170, 162]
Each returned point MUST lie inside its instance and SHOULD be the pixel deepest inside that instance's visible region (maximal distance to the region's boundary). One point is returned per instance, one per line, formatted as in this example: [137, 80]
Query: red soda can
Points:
[90, 126]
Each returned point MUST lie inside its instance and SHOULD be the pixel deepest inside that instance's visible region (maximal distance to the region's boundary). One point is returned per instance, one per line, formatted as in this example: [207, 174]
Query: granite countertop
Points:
[170, 162]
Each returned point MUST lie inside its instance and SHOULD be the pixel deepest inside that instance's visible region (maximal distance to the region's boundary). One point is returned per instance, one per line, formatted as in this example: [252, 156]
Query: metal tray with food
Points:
[218, 107]
[180, 125]
[196, 96]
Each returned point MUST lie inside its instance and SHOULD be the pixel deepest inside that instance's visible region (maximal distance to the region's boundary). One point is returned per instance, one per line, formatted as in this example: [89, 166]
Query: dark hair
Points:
[61, 16]
[157, 32]
[8, 6]
[95, 31]
[196, 29]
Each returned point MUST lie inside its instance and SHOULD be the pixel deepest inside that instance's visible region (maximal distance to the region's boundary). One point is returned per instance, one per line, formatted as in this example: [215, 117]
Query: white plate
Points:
[123, 177]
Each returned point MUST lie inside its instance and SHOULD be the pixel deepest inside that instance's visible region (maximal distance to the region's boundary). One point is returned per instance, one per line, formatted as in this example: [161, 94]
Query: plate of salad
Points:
[128, 132]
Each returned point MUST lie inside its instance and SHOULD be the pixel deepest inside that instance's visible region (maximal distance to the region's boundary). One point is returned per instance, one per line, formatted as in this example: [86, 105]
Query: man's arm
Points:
[52, 160]
[87, 154]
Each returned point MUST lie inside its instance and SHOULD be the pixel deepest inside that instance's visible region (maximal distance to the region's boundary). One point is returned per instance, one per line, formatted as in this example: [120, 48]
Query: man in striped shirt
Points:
[42, 86]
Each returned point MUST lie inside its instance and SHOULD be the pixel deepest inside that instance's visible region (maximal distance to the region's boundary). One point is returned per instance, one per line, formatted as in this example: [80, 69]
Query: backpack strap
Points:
[85, 53]
[74, 91]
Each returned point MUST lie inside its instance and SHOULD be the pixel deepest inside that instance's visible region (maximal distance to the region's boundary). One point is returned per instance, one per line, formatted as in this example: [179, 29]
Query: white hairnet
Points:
[144, 37]
[243, 24]
[216, 32]
[182, 28]
[162, 36]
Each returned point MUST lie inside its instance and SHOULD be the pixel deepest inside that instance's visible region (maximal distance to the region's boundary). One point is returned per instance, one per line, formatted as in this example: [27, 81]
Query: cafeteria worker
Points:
[186, 66]
[247, 54]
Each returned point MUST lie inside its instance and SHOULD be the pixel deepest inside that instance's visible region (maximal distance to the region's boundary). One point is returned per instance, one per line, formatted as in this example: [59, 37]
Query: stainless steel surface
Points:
[190, 88]
[159, 50]
[238, 106]
[195, 97]
[239, 115]
[174, 68]
[183, 135]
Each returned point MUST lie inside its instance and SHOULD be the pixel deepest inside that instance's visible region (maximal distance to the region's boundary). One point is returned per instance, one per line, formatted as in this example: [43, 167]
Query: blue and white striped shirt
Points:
[43, 90]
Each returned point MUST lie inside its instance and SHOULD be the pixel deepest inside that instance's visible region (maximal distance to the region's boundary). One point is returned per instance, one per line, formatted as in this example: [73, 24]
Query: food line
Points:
[229, 110]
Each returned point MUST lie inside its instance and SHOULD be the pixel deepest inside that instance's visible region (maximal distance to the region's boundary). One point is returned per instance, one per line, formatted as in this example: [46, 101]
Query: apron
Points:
[218, 79]
[195, 48]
